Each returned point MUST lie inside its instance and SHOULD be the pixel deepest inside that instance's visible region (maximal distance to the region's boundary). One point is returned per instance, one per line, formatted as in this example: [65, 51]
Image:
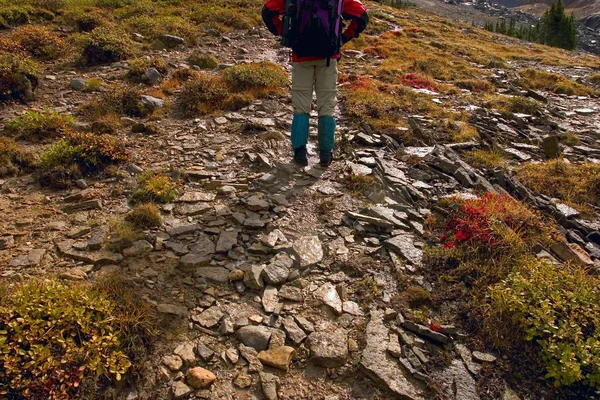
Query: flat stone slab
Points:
[381, 367]
[309, 250]
[195, 197]
[101, 257]
[404, 246]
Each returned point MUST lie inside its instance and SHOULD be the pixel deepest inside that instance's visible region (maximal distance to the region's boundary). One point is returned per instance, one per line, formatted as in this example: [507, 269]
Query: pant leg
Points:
[303, 79]
[326, 87]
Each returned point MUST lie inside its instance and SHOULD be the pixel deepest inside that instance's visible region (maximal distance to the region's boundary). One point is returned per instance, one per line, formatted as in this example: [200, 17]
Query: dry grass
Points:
[485, 158]
[542, 80]
[578, 184]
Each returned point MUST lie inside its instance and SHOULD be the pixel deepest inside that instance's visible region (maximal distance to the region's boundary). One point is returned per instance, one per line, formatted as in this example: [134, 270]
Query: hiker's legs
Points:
[303, 78]
[326, 88]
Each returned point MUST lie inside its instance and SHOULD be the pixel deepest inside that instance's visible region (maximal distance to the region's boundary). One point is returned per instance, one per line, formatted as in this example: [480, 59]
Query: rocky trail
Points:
[279, 282]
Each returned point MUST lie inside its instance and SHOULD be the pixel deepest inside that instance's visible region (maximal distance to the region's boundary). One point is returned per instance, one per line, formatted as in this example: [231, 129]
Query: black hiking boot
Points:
[325, 158]
[300, 156]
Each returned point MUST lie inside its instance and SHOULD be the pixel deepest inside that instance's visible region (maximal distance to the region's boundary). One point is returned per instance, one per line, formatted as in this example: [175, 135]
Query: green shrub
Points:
[105, 45]
[93, 85]
[39, 126]
[14, 159]
[79, 154]
[113, 3]
[264, 78]
[203, 60]
[154, 187]
[223, 18]
[516, 104]
[40, 42]
[18, 78]
[15, 15]
[145, 216]
[555, 307]
[139, 66]
[118, 99]
[595, 79]
[52, 336]
[202, 94]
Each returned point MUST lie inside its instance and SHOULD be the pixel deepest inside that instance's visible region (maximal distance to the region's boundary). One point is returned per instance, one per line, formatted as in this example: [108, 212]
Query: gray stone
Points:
[404, 245]
[309, 250]
[209, 318]
[253, 277]
[330, 297]
[215, 274]
[572, 252]
[83, 206]
[172, 309]
[566, 211]
[226, 242]
[186, 352]
[138, 248]
[551, 146]
[180, 390]
[78, 84]
[152, 102]
[381, 368]
[183, 229]
[171, 40]
[102, 257]
[204, 352]
[305, 324]
[393, 346]
[585, 111]
[151, 76]
[329, 349]
[352, 308]
[251, 355]
[359, 169]
[193, 209]
[269, 384]
[484, 357]
[6, 242]
[270, 299]
[277, 272]
[465, 355]
[294, 332]
[256, 203]
[173, 362]
[291, 293]
[179, 249]
[31, 259]
[204, 246]
[256, 337]
[425, 332]
[191, 261]
[457, 383]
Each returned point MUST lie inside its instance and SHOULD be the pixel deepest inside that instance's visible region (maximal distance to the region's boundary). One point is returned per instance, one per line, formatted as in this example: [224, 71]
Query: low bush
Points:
[574, 183]
[516, 105]
[475, 85]
[541, 80]
[139, 66]
[40, 42]
[202, 94]
[154, 187]
[86, 20]
[595, 79]
[18, 78]
[485, 158]
[117, 99]
[39, 126]
[224, 18]
[13, 158]
[52, 336]
[555, 307]
[360, 185]
[145, 216]
[79, 154]
[263, 79]
[203, 60]
[15, 15]
[106, 45]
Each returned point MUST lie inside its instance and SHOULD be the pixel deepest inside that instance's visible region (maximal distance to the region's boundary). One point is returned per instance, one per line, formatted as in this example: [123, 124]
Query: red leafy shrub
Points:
[492, 221]
[418, 81]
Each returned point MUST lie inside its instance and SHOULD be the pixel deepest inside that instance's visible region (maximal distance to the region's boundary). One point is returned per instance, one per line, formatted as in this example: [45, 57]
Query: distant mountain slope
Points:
[581, 8]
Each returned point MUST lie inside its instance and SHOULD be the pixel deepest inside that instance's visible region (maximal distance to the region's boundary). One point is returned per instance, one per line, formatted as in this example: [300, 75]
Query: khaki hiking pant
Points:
[314, 75]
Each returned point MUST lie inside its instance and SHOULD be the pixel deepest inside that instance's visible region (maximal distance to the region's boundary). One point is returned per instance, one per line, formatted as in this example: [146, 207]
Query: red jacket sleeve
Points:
[271, 15]
[356, 12]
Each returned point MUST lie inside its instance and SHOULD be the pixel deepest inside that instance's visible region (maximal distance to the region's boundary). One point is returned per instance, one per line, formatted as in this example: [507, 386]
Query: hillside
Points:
[582, 9]
[157, 242]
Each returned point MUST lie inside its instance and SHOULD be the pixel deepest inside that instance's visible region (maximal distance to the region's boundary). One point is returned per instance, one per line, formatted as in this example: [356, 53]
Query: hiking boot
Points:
[325, 158]
[301, 156]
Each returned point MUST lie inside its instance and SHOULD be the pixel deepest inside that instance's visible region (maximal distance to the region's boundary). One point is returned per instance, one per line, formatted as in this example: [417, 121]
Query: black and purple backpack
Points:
[313, 28]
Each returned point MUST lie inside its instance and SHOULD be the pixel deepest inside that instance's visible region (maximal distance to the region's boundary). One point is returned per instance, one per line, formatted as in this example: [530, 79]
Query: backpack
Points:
[313, 28]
